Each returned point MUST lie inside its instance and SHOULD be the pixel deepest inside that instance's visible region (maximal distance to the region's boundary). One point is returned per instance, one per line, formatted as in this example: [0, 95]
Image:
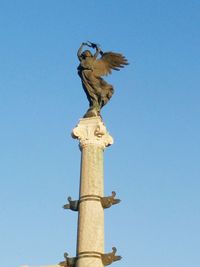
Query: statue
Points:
[91, 69]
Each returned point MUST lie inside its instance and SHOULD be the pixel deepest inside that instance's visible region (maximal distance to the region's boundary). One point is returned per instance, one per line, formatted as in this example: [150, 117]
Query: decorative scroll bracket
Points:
[109, 258]
[72, 205]
[69, 262]
[107, 202]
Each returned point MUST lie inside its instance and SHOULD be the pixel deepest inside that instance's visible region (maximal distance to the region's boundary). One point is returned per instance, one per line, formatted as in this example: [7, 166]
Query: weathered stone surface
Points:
[93, 138]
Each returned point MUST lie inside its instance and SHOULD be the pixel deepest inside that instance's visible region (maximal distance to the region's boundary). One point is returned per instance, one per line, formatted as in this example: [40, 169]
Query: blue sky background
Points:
[154, 164]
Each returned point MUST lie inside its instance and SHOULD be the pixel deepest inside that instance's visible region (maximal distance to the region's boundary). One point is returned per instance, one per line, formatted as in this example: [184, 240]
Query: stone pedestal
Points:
[93, 138]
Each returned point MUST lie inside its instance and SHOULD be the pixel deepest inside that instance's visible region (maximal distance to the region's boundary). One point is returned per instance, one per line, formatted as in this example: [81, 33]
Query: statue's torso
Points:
[87, 63]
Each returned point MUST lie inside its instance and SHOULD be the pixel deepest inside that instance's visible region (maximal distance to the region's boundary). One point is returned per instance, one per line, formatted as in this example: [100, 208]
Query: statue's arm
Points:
[80, 51]
[98, 50]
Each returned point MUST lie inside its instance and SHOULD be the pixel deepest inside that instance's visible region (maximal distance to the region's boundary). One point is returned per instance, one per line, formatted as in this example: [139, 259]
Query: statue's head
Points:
[86, 53]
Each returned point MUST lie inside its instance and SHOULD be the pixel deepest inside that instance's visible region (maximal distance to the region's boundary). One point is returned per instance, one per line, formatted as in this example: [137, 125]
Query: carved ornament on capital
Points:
[92, 131]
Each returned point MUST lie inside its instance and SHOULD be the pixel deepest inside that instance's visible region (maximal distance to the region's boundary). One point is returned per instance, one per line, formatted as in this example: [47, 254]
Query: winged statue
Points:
[91, 69]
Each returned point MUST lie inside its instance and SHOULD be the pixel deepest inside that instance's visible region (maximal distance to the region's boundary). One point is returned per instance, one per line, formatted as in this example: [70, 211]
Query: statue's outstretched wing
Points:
[108, 62]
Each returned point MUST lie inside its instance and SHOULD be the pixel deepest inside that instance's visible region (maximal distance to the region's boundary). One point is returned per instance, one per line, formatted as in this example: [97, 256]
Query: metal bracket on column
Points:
[108, 258]
[107, 202]
[73, 204]
[69, 262]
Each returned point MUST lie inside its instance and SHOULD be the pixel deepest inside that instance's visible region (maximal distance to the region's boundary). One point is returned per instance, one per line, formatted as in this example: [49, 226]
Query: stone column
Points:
[93, 138]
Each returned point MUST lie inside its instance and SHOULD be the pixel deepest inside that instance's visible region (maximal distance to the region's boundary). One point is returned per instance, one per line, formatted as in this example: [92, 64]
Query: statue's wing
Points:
[108, 62]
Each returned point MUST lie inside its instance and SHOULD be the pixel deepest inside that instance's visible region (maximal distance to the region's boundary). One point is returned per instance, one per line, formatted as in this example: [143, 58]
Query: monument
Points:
[93, 138]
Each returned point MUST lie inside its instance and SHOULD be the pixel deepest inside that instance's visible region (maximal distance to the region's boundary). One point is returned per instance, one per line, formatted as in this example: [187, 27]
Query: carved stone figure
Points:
[108, 258]
[73, 204]
[107, 202]
[69, 262]
[90, 70]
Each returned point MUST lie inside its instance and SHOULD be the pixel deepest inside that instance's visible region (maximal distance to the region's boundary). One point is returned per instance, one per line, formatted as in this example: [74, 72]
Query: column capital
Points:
[92, 131]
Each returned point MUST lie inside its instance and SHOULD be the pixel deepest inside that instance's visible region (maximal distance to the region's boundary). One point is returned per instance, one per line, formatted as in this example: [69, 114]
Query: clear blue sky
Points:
[154, 164]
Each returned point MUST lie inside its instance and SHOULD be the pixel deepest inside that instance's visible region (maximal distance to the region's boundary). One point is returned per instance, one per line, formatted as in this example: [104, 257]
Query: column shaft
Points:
[91, 215]
[93, 139]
